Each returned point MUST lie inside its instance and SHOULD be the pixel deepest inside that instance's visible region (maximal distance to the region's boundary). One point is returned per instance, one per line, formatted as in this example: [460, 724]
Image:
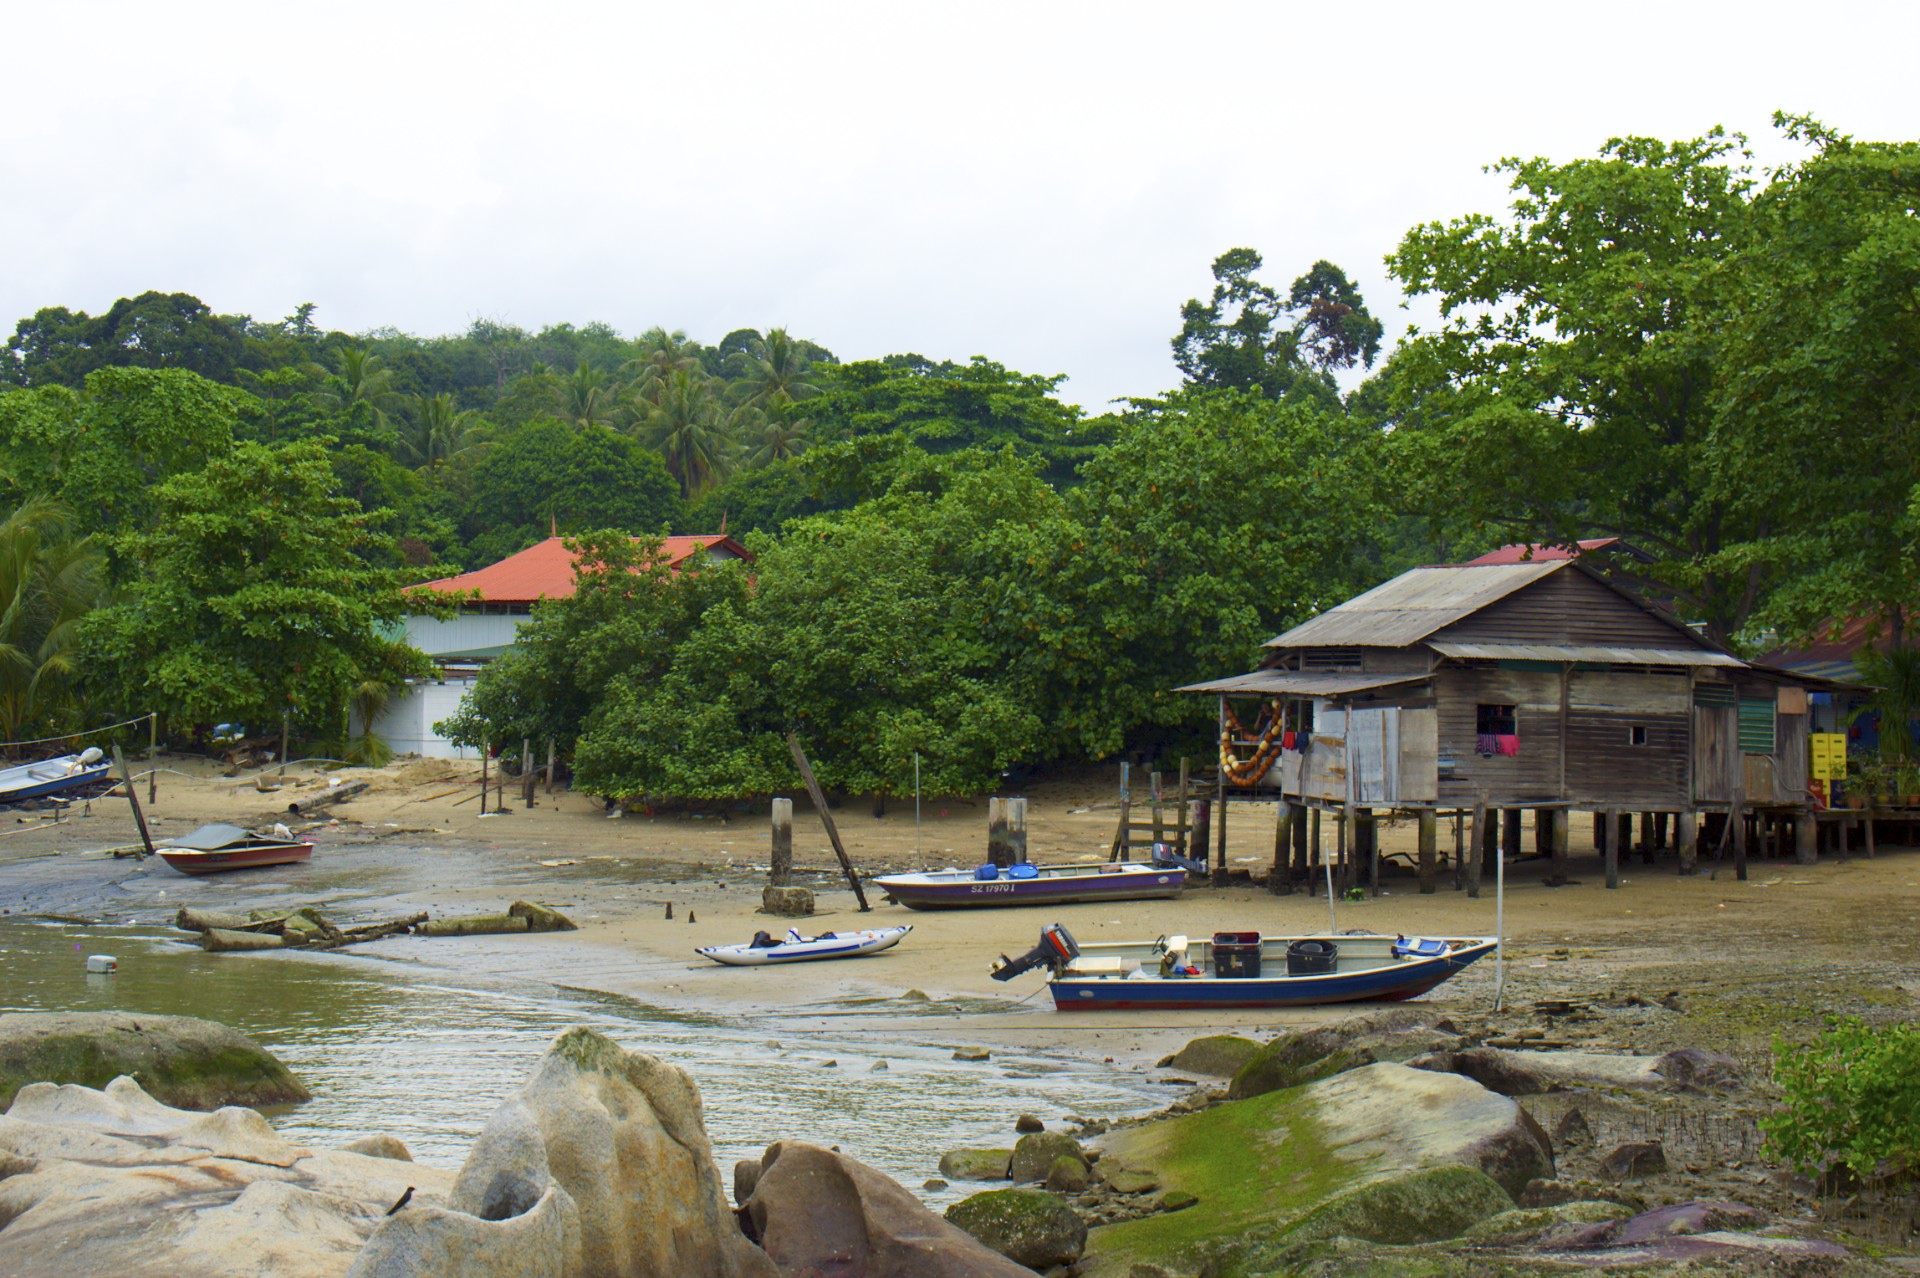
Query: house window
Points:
[1754, 724]
[1495, 731]
[1637, 735]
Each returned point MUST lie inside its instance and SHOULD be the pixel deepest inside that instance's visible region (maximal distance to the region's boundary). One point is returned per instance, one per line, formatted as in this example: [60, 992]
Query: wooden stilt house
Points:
[1473, 692]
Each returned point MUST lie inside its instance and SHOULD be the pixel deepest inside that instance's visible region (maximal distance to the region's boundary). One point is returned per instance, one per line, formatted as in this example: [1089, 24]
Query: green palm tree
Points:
[691, 429]
[586, 399]
[778, 375]
[439, 432]
[363, 378]
[781, 439]
[49, 580]
[663, 354]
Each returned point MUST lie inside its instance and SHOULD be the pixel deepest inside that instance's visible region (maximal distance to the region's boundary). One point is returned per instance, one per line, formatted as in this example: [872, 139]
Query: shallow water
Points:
[426, 1055]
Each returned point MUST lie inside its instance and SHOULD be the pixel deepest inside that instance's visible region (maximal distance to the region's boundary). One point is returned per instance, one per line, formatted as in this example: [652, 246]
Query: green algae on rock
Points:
[181, 1061]
[1028, 1226]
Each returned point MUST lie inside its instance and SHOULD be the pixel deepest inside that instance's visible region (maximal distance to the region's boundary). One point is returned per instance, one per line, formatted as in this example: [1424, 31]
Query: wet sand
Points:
[1776, 953]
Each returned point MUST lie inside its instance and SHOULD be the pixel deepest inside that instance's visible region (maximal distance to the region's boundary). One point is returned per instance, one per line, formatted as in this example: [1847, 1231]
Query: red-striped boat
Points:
[213, 848]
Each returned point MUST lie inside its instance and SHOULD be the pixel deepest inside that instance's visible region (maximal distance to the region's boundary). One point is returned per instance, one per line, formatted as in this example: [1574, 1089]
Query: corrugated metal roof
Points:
[544, 570]
[1581, 652]
[1413, 605]
[1303, 683]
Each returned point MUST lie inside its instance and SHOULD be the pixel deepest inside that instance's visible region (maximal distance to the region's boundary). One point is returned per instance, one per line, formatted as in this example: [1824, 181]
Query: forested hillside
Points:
[216, 517]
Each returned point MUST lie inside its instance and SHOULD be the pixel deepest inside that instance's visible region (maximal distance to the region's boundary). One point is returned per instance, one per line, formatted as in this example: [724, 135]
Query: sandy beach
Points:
[1780, 951]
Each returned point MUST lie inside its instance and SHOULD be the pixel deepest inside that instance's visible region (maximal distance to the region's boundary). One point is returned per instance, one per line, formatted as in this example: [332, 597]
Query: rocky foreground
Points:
[1386, 1144]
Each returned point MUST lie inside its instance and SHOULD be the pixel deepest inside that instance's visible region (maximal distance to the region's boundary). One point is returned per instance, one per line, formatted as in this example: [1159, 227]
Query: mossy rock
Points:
[1068, 1175]
[1266, 1164]
[1419, 1207]
[1125, 1180]
[975, 1164]
[1028, 1226]
[1034, 1155]
[178, 1060]
[1531, 1224]
[1292, 1062]
[1220, 1055]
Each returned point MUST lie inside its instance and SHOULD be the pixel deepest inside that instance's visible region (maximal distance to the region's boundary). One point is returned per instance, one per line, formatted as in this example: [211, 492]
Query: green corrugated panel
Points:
[1756, 725]
[1714, 694]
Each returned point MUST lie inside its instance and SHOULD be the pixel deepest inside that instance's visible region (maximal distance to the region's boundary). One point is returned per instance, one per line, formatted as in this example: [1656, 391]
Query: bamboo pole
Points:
[153, 758]
[133, 798]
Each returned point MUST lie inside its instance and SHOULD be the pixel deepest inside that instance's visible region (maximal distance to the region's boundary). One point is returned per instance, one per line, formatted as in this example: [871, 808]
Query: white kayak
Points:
[795, 948]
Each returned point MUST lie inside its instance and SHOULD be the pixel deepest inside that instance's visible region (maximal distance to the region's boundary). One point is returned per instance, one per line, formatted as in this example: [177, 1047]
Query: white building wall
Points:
[463, 633]
[406, 725]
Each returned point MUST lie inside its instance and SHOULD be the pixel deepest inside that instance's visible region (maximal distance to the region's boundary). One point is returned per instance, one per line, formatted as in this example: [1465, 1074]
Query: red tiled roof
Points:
[1527, 552]
[544, 570]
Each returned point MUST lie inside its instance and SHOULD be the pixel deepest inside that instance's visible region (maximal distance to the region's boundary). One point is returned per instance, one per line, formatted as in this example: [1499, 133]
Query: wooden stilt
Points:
[1429, 851]
[1510, 832]
[1646, 838]
[1183, 832]
[1476, 849]
[1660, 831]
[1615, 840]
[1367, 839]
[1340, 846]
[1300, 853]
[1278, 878]
[1739, 818]
[1686, 838]
[1558, 836]
[1805, 835]
[527, 777]
[1317, 852]
[1866, 825]
[1220, 829]
[1459, 850]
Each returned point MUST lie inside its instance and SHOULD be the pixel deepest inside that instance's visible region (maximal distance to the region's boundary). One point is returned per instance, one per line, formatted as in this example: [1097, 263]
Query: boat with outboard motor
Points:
[795, 948]
[1029, 884]
[1230, 969]
[51, 776]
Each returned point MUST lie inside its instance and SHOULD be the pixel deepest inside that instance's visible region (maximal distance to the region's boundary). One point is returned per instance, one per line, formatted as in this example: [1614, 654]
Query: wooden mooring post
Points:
[998, 851]
[1429, 851]
[528, 778]
[1017, 828]
[780, 838]
[133, 798]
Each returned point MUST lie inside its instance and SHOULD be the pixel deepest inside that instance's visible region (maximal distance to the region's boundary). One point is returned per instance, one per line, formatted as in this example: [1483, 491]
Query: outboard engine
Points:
[1057, 948]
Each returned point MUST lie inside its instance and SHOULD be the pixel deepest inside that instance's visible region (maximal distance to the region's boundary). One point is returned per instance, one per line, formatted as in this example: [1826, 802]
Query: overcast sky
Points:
[1041, 183]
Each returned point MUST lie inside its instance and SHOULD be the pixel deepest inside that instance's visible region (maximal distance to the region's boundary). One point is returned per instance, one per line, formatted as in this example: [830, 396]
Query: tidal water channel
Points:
[426, 1055]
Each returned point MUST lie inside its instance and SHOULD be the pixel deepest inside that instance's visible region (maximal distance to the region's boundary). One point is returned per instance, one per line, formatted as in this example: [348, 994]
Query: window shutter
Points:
[1756, 725]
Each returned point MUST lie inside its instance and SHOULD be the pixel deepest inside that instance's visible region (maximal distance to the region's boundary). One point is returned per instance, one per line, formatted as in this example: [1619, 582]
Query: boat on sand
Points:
[1028, 884]
[51, 776]
[795, 948]
[213, 848]
[1242, 969]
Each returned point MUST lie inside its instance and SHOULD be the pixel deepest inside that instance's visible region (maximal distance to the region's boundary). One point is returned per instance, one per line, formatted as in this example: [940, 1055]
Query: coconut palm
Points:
[781, 439]
[439, 432]
[662, 354]
[691, 429]
[586, 399]
[778, 374]
[49, 580]
[363, 378]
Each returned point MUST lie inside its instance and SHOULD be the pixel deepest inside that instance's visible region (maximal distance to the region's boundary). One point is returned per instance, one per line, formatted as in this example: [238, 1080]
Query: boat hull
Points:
[195, 861]
[1388, 983]
[848, 945]
[958, 892]
[39, 788]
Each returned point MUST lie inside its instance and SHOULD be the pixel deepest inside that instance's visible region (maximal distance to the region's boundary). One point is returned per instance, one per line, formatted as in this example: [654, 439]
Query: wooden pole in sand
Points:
[1182, 832]
[998, 853]
[1017, 829]
[826, 818]
[527, 777]
[1429, 851]
[1686, 837]
[780, 869]
[483, 778]
[139, 817]
[549, 765]
[153, 758]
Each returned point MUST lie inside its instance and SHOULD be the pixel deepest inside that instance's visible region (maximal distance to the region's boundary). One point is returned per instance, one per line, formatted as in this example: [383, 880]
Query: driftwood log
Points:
[328, 797]
[541, 918]
[220, 940]
[476, 925]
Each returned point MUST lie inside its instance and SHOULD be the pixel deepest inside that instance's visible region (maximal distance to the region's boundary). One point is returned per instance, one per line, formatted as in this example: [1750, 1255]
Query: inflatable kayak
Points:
[795, 948]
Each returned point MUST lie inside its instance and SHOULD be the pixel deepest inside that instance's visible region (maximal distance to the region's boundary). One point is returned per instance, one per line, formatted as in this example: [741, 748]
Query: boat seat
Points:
[1101, 966]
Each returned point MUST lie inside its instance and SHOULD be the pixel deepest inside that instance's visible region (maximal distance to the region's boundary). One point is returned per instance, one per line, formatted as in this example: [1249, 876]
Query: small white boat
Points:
[51, 776]
[795, 948]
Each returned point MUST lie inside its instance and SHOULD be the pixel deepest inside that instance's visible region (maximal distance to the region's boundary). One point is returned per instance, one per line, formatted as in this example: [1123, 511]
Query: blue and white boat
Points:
[51, 776]
[795, 948]
[1243, 969]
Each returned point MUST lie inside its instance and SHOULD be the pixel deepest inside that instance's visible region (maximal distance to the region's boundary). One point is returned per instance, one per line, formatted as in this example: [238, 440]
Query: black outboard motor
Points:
[1057, 948]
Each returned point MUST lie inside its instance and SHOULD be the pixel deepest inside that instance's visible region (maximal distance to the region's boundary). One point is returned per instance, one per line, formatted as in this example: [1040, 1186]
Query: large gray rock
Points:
[1268, 1163]
[1524, 1073]
[1029, 1226]
[112, 1182]
[1307, 1056]
[823, 1215]
[180, 1061]
[432, 1242]
[621, 1135]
